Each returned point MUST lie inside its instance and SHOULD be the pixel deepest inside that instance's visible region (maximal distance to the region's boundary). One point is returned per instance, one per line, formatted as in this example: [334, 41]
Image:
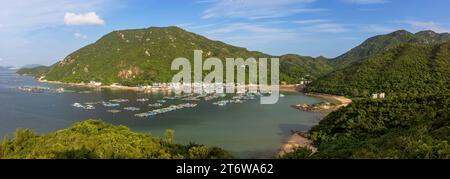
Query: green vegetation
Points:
[35, 71]
[403, 71]
[397, 128]
[93, 139]
[143, 56]
[412, 122]
[139, 57]
[379, 44]
[295, 68]
[299, 153]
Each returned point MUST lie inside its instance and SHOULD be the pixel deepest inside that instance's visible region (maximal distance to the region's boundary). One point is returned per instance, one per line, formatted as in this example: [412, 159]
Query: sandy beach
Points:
[340, 101]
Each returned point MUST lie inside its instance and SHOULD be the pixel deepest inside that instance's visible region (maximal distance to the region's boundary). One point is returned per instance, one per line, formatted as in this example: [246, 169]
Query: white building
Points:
[374, 96]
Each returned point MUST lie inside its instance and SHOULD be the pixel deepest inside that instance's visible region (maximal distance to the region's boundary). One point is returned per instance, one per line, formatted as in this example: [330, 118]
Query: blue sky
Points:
[45, 31]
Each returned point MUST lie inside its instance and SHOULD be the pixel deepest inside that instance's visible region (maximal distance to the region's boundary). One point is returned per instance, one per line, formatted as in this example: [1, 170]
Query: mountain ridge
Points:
[406, 69]
[141, 56]
[380, 43]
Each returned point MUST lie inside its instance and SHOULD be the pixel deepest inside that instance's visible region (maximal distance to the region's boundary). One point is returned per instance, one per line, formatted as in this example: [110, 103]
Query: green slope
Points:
[415, 127]
[144, 56]
[382, 43]
[407, 69]
[93, 139]
[138, 57]
[35, 71]
[294, 68]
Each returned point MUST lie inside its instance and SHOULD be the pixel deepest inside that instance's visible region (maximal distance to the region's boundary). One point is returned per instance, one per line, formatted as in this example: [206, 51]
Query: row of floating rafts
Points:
[33, 89]
[155, 105]
[193, 98]
[170, 98]
[132, 109]
[225, 102]
[166, 110]
[119, 100]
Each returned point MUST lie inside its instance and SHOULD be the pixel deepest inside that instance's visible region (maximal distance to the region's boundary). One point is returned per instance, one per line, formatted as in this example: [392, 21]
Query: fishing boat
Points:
[114, 111]
[221, 103]
[132, 109]
[155, 105]
[142, 100]
[108, 104]
[89, 107]
[77, 105]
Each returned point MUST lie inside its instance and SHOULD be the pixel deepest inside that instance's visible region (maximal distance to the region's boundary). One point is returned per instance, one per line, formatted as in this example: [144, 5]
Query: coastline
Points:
[296, 140]
[340, 101]
[300, 139]
[90, 86]
[283, 88]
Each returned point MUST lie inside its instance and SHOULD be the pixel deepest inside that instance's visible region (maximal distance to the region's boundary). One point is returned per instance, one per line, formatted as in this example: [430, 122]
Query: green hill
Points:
[407, 69]
[34, 71]
[414, 127]
[294, 68]
[138, 57]
[382, 43]
[93, 139]
[144, 56]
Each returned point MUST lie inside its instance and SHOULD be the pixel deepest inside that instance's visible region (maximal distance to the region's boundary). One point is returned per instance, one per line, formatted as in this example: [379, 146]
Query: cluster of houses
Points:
[206, 87]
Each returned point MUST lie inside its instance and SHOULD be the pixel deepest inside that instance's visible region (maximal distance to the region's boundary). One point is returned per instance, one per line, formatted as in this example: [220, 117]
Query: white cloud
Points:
[251, 35]
[79, 36]
[311, 21]
[365, 1]
[375, 28]
[425, 25]
[90, 18]
[256, 9]
[246, 27]
[329, 27]
[27, 15]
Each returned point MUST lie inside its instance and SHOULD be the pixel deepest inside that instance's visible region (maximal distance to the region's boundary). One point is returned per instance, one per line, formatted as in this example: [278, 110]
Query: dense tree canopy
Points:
[401, 128]
[93, 139]
[406, 70]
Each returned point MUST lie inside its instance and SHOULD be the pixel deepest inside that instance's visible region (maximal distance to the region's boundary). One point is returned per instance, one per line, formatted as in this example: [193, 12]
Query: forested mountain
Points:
[382, 43]
[415, 127]
[404, 70]
[294, 68]
[144, 56]
[139, 57]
